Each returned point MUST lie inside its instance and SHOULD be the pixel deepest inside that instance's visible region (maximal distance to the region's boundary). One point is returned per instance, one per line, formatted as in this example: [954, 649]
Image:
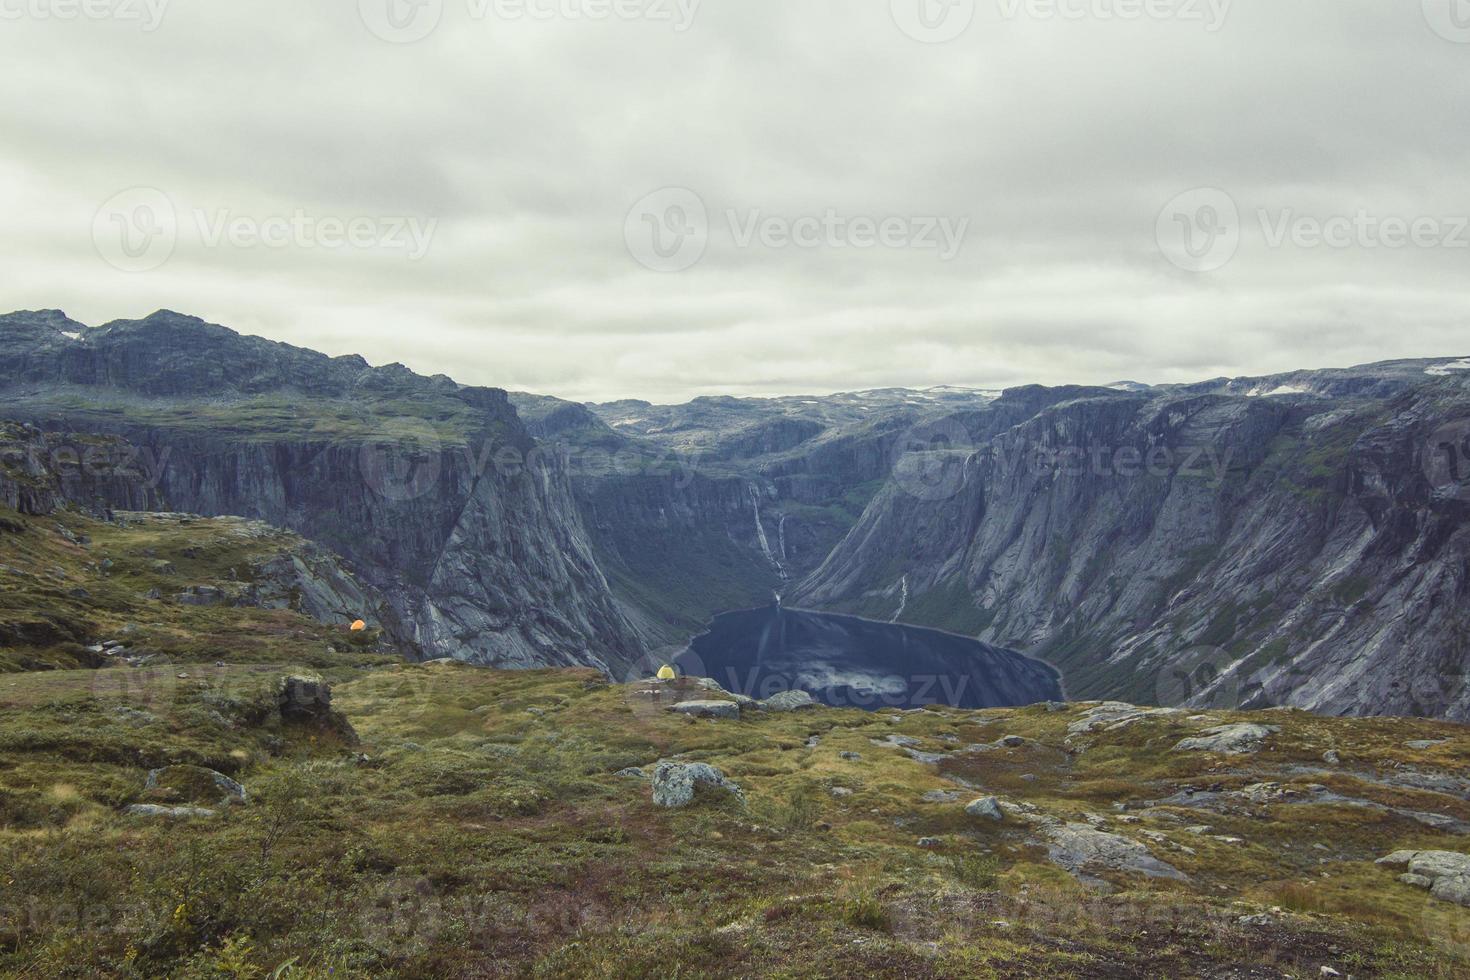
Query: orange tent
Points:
[359, 626]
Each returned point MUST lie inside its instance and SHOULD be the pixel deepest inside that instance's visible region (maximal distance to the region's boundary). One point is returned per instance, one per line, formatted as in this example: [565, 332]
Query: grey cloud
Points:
[1060, 142]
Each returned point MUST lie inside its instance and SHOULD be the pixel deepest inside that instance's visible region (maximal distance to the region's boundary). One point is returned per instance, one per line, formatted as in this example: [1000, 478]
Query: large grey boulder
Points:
[1078, 848]
[1445, 873]
[708, 709]
[167, 812]
[788, 701]
[194, 784]
[1244, 738]
[987, 807]
[674, 783]
[304, 698]
[1113, 715]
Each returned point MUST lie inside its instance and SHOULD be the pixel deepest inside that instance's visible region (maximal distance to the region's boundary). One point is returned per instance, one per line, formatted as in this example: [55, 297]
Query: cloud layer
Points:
[468, 202]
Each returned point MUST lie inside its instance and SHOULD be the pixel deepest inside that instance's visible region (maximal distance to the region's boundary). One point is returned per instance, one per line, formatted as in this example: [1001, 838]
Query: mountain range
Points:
[1298, 539]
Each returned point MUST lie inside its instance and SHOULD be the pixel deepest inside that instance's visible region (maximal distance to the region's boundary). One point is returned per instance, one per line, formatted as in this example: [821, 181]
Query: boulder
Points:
[1244, 738]
[307, 700]
[708, 709]
[788, 701]
[201, 595]
[167, 812]
[674, 783]
[304, 698]
[1078, 848]
[193, 784]
[987, 807]
[1445, 873]
[1113, 715]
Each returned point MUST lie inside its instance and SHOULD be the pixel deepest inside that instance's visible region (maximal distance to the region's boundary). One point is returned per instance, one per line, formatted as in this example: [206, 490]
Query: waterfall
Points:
[903, 598]
[760, 534]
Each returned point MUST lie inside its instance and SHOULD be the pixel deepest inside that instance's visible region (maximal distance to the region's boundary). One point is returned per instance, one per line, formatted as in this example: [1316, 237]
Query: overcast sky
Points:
[604, 198]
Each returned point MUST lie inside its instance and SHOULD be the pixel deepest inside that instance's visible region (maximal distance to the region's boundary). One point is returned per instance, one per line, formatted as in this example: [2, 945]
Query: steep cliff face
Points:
[41, 471]
[431, 488]
[1181, 546]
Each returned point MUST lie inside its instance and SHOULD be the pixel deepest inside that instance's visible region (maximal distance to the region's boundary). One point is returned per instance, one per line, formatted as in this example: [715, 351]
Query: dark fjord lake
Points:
[848, 662]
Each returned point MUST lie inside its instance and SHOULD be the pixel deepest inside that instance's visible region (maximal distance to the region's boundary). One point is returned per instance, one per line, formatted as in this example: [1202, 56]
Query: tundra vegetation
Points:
[450, 821]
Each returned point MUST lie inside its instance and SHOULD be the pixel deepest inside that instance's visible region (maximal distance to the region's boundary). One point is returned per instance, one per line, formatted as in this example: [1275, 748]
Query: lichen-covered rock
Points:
[193, 784]
[1113, 715]
[788, 701]
[1445, 873]
[167, 812]
[674, 783]
[1244, 738]
[304, 697]
[987, 808]
[1079, 848]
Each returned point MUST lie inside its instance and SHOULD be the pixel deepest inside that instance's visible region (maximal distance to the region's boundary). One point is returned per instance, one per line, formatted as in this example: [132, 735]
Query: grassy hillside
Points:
[69, 582]
[476, 823]
[481, 828]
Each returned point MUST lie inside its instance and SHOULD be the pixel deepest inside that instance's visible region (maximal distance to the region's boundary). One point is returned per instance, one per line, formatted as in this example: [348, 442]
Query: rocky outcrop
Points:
[1081, 848]
[1445, 873]
[194, 785]
[428, 487]
[675, 783]
[1238, 739]
[41, 471]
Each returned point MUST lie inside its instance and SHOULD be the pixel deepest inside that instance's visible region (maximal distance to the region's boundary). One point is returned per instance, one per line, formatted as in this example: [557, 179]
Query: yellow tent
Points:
[666, 673]
[359, 626]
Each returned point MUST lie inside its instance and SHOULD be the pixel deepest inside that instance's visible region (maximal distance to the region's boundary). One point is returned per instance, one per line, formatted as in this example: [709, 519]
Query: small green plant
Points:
[800, 812]
[979, 871]
[859, 904]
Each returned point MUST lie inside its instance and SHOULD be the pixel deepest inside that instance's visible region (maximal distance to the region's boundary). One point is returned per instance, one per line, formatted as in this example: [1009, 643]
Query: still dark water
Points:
[855, 663]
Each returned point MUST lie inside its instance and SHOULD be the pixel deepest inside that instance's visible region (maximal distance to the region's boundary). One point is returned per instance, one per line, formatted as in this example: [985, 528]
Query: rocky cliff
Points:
[429, 487]
[1209, 547]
